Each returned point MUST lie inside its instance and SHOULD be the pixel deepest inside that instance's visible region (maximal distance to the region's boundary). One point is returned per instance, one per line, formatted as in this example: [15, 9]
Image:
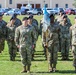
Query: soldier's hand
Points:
[18, 46]
[45, 45]
[33, 46]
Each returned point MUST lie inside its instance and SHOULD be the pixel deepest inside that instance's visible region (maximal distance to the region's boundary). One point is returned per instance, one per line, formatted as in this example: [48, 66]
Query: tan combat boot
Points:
[54, 67]
[24, 70]
[50, 68]
[28, 69]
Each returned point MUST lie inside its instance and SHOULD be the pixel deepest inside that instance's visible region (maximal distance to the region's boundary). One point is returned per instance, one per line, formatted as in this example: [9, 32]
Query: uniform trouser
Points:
[65, 44]
[52, 57]
[74, 55]
[33, 49]
[2, 44]
[25, 55]
[12, 48]
[44, 50]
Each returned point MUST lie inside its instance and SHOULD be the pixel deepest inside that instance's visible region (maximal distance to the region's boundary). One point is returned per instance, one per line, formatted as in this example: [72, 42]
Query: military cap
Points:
[25, 18]
[65, 16]
[12, 18]
[51, 15]
[15, 15]
[31, 16]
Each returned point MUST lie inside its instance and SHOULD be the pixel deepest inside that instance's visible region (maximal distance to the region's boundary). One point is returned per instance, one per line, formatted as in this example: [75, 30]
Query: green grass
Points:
[39, 65]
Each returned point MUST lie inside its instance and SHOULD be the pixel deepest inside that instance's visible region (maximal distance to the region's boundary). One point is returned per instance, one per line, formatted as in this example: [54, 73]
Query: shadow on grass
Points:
[67, 71]
[65, 60]
[39, 60]
[64, 72]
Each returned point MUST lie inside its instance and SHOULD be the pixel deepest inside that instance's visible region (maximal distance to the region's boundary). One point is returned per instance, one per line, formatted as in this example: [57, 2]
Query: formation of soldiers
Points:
[22, 36]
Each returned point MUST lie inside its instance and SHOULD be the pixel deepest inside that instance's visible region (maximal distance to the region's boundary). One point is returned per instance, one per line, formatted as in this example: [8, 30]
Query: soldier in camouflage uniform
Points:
[24, 36]
[73, 36]
[65, 38]
[53, 42]
[60, 17]
[2, 33]
[43, 35]
[18, 21]
[35, 25]
[34, 44]
[10, 33]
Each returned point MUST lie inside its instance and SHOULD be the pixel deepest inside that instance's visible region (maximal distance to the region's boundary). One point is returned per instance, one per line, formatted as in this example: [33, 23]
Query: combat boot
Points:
[32, 57]
[54, 67]
[13, 58]
[50, 68]
[24, 70]
[28, 69]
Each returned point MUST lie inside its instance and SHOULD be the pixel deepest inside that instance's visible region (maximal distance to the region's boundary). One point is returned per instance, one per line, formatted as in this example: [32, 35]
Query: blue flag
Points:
[46, 19]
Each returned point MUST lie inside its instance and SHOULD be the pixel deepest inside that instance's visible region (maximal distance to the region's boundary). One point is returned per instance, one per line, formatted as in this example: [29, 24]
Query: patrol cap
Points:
[1, 14]
[65, 16]
[31, 16]
[61, 11]
[12, 18]
[51, 15]
[25, 18]
[15, 15]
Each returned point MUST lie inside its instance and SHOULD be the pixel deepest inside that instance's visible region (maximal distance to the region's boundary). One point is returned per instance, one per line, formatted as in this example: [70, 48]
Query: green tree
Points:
[74, 4]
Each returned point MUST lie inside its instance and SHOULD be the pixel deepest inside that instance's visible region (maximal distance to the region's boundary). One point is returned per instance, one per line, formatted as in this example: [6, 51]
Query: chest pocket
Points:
[25, 33]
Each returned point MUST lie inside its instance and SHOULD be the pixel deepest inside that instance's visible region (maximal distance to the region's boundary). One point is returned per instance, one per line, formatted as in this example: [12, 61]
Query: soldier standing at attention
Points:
[10, 38]
[23, 38]
[53, 42]
[35, 24]
[33, 42]
[18, 21]
[60, 17]
[2, 33]
[73, 31]
[65, 38]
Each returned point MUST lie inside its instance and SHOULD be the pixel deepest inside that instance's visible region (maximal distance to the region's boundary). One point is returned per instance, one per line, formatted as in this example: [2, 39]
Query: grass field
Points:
[39, 65]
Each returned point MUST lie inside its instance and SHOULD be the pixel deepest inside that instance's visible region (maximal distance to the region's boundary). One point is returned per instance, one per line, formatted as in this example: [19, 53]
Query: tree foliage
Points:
[74, 4]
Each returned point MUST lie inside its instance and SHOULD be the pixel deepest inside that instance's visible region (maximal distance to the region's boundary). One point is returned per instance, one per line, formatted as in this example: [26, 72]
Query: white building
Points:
[37, 3]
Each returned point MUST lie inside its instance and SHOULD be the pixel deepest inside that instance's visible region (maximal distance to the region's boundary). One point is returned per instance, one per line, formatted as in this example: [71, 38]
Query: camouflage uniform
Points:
[2, 34]
[10, 40]
[18, 22]
[24, 36]
[59, 19]
[35, 25]
[43, 35]
[34, 42]
[73, 29]
[65, 39]
[53, 46]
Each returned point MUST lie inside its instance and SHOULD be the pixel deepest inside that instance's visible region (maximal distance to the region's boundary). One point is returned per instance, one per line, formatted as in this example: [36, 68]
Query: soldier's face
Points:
[12, 21]
[52, 19]
[25, 22]
[29, 21]
[65, 19]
